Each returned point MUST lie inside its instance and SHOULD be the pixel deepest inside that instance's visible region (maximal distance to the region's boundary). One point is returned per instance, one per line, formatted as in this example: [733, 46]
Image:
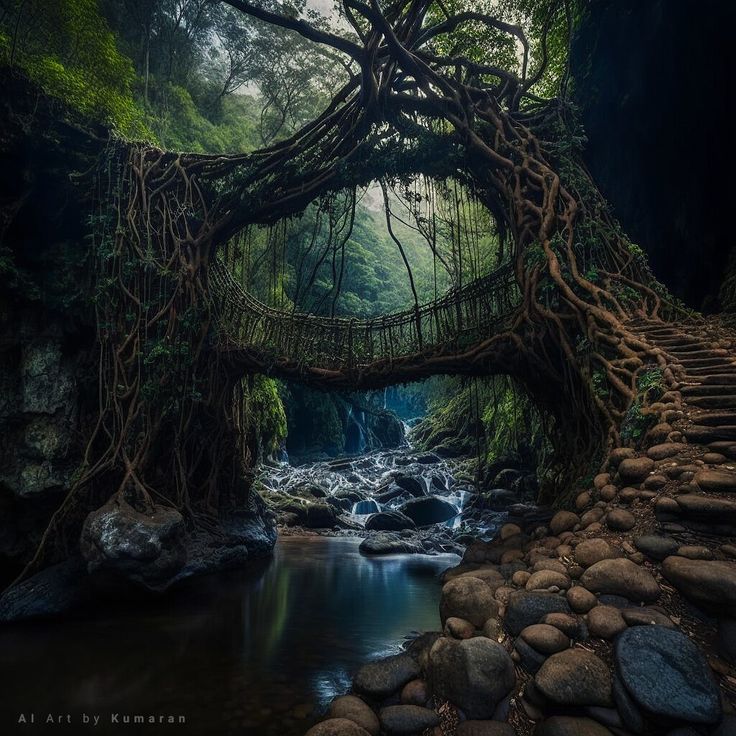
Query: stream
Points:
[259, 651]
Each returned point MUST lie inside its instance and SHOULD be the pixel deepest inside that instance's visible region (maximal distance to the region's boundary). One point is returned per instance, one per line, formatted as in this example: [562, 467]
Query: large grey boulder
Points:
[123, 545]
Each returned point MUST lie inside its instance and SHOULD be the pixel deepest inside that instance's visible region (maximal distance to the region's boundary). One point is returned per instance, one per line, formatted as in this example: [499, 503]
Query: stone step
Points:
[712, 402]
[729, 378]
[705, 435]
[711, 371]
[709, 389]
[704, 507]
[703, 362]
[716, 481]
[715, 418]
[697, 354]
[724, 447]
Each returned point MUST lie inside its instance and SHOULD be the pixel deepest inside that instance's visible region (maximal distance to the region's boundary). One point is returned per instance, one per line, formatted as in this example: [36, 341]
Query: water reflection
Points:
[257, 652]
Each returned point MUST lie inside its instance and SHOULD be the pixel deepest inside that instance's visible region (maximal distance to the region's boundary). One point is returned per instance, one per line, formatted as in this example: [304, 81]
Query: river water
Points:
[256, 652]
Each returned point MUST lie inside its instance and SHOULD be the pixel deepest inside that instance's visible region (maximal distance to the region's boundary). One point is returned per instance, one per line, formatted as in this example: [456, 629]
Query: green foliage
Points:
[265, 413]
[650, 387]
[67, 47]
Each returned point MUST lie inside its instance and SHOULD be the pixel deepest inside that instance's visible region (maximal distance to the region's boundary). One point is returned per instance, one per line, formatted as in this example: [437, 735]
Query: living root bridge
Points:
[168, 403]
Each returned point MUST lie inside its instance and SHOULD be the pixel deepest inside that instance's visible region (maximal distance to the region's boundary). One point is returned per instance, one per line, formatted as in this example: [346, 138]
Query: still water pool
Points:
[257, 652]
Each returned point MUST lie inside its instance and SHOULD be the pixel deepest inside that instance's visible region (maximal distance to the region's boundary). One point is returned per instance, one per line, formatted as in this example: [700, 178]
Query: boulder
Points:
[667, 675]
[655, 546]
[475, 674]
[707, 583]
[337, 727]
[410, 485]
[621, 577]
[126, 546]
[385, 676]
[635, 469]
[389, 521]
[563, 521]
[545, 638]
[575, 677]
[356, 710]
[570, 726]
[428, 510]
[407, 719]
[529, 607]
[620, 520]
[590, 551]
[322, 515]
[389, 543]
[468, 598]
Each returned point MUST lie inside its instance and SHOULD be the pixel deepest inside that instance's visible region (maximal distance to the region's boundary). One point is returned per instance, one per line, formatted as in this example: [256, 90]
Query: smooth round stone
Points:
[620, 520]
[492, 629]
[634, 470]
[415, 693]
[590, 517]
[529, 607]
[563, 521]
[601, 480]
[404, 720]
[695, 552]
[354, 709]
[545, 579]
[337, 727]
[459, 628]
[554, 565]
[384, 677]
[545, 638]
[571, 626]
[667, 675]
[569, 726]
[655, 546]
[509, 530]
[580, 599]
[520, 578]
[575, 677]
[618, 454]
[608, 493]
[646, 617]
[605, 622]
[468, 598]
[475, 674]
[590, 551]
[621, 577]
[628, 495]
[583, 499]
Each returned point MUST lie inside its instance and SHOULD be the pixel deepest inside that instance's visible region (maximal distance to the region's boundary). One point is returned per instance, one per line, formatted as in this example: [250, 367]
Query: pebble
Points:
[580, 599]
[606, 622]
[545, 638]
[590, 551]
[620, 520]
[563, 521]
[545, 579]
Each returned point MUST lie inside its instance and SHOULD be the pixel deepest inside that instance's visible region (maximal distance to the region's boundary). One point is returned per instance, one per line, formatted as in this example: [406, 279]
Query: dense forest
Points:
[307, 304]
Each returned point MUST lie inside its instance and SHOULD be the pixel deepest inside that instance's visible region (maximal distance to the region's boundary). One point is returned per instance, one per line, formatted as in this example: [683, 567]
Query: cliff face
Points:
[652, 82]
[46, 327]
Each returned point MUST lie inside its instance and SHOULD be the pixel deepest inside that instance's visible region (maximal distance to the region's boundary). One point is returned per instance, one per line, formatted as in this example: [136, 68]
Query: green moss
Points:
[650, 388]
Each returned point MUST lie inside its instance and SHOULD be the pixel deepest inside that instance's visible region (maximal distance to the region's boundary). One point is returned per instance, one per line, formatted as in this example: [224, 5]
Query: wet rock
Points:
[385, 676]
[475, 674]
[468, 598]
[575, 677]
[407, 719]
[646, 617]
[526, 608]
[707, 583]
[634, 470]
[563, 521]
[606, 622]
[410, 485]
[389, 521]
[322, 516]
[569, 726]
[428, 510]
[656, 547]
[620, 520]
[621, 577]
[356, 710]
[124, 546]
[667, 675]
[389, 543]
[545, 638]
[590, 551]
